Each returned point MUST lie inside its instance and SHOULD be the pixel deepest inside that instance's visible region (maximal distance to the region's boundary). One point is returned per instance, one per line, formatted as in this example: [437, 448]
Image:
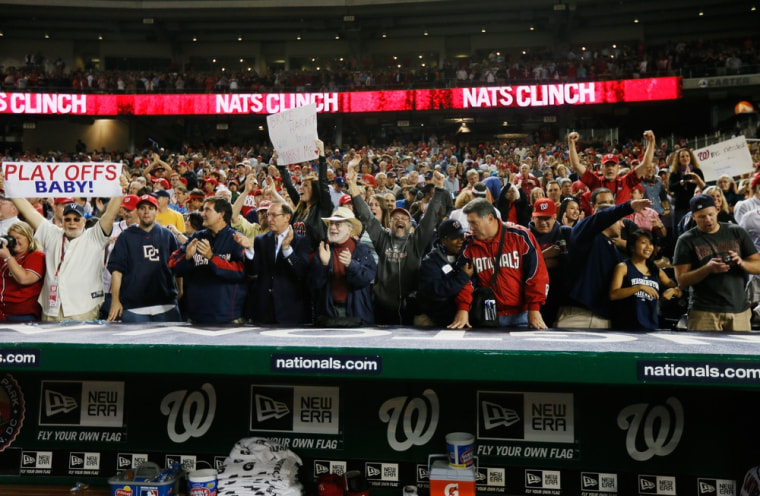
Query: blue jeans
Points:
[21, 318]
[172, 315]
[516, 320]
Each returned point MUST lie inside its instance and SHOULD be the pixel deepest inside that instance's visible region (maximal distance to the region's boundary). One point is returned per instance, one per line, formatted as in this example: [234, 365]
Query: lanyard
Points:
[63, 251]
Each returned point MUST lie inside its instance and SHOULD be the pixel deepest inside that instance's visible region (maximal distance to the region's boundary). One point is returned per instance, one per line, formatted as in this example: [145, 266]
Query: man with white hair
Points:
[73, 288]
[343, 276]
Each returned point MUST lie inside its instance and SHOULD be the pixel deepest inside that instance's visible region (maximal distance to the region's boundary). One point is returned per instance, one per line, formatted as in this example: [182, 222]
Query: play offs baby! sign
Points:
[61, 179]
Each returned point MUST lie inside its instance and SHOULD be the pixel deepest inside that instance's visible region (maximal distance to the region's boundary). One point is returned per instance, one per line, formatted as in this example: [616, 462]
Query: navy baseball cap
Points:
[75, 208]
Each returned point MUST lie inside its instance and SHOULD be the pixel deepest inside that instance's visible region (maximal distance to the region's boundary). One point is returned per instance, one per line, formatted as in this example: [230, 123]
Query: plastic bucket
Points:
[202, 482]
[460, 448]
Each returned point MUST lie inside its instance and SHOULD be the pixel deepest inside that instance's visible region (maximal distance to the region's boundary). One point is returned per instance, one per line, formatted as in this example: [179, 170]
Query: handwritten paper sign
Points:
[293, 134]
[730, 157]
[61, 179]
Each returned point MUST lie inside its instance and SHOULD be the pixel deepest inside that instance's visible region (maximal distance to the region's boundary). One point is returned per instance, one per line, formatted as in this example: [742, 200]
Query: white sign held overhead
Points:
[294, 134]
[61, 179]
[730, 157]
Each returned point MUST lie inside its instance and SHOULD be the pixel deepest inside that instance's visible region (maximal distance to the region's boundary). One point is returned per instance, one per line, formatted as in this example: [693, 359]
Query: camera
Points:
[8, 241]
[728, 260]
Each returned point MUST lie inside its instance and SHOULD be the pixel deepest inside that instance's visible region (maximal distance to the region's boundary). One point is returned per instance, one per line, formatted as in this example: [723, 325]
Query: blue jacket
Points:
[359, 274]
[215, 289]
[279, 293]
[592, 258]
[440, 282]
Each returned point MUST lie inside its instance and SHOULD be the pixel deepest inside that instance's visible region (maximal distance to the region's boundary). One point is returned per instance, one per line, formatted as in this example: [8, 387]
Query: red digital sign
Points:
[525, 96]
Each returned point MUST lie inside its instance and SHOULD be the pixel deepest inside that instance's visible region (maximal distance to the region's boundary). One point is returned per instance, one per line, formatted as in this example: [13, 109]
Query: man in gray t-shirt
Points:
[712, 260]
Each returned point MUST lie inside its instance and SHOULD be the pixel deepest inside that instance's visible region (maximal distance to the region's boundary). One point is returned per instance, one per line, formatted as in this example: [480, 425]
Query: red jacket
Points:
[522, 282]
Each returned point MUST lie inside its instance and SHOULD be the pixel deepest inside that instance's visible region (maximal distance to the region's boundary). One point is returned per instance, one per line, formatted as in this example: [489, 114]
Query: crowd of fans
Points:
[687, 59]
[401, 234]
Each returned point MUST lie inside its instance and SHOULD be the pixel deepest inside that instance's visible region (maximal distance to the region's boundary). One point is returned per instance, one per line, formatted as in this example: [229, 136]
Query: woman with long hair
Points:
[685, 178]
[638, 283]
[379, 208]
[730, 191]
[22, 272]
[312, 204]
[513, 206]
[721, 204]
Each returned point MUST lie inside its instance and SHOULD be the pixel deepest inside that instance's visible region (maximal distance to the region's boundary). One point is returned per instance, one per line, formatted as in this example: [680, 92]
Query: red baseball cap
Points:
[129, 202]
[61, 201]
[544, 207]
[148, 198]
[610, 157]
[344, 199]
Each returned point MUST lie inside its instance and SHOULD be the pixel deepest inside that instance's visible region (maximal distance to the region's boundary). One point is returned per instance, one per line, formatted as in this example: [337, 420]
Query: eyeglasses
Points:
[273, 215]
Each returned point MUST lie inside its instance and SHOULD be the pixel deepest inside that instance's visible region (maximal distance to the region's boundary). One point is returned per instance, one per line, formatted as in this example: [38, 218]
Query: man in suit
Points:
[280, 262]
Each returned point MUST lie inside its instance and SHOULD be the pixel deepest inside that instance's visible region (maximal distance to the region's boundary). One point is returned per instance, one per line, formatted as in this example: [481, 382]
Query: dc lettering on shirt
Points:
[151, 253]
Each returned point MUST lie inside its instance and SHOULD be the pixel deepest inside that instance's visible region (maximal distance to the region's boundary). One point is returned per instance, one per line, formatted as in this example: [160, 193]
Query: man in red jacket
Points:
[522, 281]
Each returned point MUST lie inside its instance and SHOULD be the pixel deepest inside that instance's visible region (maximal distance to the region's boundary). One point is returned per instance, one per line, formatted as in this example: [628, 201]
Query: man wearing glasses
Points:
[279, 259]
[73, 288]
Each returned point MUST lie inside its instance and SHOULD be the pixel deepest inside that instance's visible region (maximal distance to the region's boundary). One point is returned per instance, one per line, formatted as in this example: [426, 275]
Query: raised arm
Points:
[32, 216]
[238, 205]
[646, 164]
[109, 216]
[572, 153]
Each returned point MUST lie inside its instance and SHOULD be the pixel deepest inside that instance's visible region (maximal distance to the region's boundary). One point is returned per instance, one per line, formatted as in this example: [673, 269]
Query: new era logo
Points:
[533, 478]
[373, 471]
[267, 408]
[29, 460]
[706, 488]
[56, 403]
[320, 468]
[647, 485]
[123, 462]
[495, 415]
[76, 460]
[589, 481]
[422, 473]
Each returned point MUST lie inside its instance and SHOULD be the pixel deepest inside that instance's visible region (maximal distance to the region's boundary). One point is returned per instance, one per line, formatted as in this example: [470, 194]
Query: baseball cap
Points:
[161, 192]
[610, 157]
[340, 180]
[163, 182]
[148, 198]
[698, 202]
[129, 202]
[402, 210]
[344, 199]
[263, 205]
[450, 228]
[544, 207]
[73, 207]
[60, 201]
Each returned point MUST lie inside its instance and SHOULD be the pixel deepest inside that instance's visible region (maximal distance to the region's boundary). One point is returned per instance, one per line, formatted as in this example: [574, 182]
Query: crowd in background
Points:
[494, 67]
[399, 193]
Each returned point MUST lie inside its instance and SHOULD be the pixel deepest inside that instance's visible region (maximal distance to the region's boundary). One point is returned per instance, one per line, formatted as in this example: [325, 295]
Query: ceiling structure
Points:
[179, 21]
